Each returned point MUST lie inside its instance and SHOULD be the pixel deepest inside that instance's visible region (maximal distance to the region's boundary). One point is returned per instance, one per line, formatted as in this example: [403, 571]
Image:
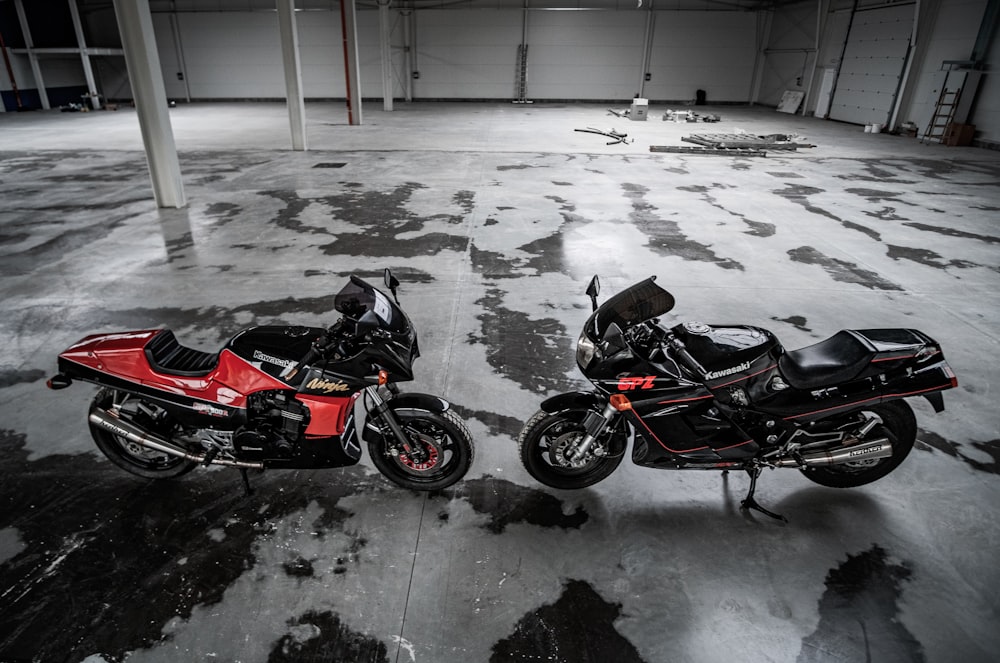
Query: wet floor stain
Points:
[757, 228]
[385, 225]
[800, 194]
[841, 270]
[320, 637]
[928, 258]
[665, 236]
[536, 353]
[797, 321]
[859, 613]
[8, 378]
[578, 628]
[496, 424]
[928, 440]
[114, 542]
[507, 503]
[953, 232]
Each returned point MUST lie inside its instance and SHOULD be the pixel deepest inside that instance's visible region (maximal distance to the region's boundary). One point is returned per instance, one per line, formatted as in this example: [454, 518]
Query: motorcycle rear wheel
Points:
[543, 443]
[899, 426]
[446, 441]
[131, 457]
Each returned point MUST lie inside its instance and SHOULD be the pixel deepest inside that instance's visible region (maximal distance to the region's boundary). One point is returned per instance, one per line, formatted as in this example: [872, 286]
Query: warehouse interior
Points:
[506, 153]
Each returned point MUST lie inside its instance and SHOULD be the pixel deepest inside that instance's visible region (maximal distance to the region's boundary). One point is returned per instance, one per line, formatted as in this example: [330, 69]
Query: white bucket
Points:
[876, 128]
[868, 128]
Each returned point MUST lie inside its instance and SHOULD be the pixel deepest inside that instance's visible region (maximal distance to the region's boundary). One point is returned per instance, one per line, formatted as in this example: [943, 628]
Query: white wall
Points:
[703, 50]
[466, 54]
[470, 54]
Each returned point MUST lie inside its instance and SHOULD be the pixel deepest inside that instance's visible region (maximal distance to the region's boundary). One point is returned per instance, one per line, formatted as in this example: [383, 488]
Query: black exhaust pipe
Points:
[58, 381]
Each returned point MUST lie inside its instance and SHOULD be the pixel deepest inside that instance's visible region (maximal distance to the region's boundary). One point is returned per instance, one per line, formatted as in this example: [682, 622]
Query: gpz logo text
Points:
[632, 383]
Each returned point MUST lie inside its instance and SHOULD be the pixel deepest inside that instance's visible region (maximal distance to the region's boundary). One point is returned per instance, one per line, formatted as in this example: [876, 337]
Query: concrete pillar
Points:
[36, 69]
[385, 46]
[139, 43]
[293, 73]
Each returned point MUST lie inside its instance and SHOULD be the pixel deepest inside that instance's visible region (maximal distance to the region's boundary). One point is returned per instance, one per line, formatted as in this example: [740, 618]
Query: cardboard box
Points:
[639, 110]
[958, 135]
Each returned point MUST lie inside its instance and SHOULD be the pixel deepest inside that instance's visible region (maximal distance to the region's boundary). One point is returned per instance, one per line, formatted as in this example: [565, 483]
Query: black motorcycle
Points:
[273, 397]
[709, 397]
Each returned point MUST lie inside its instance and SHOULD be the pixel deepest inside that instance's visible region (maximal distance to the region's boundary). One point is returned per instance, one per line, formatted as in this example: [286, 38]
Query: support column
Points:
[29, 45]
[139, 44]
[293, 73]
[385, 46]
[349, 24]
[88, 71]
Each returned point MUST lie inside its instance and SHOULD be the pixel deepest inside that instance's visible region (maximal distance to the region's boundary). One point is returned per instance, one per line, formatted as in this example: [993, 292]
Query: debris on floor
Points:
[746, 140]
[618, 137]
[727, 151]
[690, 116]
[617, 113]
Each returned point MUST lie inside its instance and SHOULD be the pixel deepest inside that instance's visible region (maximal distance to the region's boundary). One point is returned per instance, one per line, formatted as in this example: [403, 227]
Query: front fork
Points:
[594, 424]
[385, 415]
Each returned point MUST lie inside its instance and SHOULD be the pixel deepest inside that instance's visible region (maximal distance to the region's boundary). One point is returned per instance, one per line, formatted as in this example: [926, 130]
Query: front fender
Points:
[573, 400]
[409, 401]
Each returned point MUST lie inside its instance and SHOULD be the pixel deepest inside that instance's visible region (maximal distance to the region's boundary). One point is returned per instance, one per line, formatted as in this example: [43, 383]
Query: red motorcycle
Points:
[273, 397]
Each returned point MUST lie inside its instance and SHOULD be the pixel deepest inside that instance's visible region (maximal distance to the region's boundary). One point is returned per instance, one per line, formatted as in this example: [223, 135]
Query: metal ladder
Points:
[521, 76]
[944, 111]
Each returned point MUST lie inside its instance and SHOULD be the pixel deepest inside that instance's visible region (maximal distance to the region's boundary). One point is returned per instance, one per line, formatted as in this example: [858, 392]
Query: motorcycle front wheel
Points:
[131, 457]
[546, 443]
[445, 443]
[897, 424]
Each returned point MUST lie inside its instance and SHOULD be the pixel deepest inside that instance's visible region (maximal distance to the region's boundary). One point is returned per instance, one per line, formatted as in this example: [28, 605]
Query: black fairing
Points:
[719, 349]
[274, 348]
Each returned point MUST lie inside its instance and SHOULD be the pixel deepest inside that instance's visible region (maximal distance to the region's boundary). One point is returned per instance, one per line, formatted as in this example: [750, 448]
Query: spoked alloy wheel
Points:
[898, 425]
[132, 457]
[546, 444]
[442, 450]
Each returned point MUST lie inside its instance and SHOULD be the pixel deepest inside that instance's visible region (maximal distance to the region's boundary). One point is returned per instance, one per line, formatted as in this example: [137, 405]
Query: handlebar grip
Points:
[315, 351]
[689, 361]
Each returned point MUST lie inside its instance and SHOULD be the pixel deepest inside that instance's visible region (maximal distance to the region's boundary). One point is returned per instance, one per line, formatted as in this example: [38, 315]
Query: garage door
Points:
[873, 65]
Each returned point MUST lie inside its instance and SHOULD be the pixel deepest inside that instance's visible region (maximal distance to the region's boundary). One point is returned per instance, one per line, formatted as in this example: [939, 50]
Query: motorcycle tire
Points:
[542, 439]
[131, 457]
[899, 425]
[442, 435]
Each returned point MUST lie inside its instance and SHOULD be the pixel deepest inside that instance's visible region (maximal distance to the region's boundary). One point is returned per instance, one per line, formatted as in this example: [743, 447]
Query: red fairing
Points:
[122, 355]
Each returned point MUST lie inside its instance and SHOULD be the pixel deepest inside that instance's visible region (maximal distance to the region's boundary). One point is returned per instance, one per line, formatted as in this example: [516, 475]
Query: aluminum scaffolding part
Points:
[139, 42]
[293, 72]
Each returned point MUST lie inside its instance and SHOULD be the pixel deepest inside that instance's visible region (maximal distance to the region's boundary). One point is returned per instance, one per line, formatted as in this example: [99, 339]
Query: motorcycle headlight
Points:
[585, 350]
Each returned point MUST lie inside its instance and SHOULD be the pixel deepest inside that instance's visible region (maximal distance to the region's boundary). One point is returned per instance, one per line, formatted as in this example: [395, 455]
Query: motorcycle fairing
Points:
[851, 369]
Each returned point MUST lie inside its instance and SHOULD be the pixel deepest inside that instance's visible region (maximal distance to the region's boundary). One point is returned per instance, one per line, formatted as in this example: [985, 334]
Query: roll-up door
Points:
[873, 64]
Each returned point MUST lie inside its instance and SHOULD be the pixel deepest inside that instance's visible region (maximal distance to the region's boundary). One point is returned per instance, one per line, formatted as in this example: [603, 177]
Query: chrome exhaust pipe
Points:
[872, 450]
[108, 420]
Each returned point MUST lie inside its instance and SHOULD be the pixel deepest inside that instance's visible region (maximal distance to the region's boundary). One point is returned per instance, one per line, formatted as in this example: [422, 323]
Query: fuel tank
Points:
[738, 360]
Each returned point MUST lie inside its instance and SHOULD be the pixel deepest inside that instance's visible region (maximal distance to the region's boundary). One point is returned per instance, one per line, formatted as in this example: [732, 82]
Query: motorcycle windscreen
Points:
[357, 297]
[631, 306]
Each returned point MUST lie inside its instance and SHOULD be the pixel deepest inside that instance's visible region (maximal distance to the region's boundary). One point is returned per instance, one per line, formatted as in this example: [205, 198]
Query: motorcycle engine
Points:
[275, 423]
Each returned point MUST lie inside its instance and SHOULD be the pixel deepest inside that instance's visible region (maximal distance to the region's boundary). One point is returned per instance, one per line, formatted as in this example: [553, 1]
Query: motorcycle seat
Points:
[837, 359]
[166, 355]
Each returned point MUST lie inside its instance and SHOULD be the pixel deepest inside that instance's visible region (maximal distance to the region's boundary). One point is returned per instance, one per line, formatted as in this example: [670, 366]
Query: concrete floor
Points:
[493, 216]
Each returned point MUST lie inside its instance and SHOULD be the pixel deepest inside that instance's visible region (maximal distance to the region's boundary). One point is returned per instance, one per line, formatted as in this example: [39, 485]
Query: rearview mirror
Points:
[392, 283]
[593, 290]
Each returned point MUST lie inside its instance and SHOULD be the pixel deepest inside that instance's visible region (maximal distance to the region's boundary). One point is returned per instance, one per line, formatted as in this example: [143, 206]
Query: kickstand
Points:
[248, 491]
[750, 503]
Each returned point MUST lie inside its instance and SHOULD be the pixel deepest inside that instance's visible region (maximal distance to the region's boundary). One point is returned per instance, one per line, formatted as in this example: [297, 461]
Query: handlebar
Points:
[682, 353]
